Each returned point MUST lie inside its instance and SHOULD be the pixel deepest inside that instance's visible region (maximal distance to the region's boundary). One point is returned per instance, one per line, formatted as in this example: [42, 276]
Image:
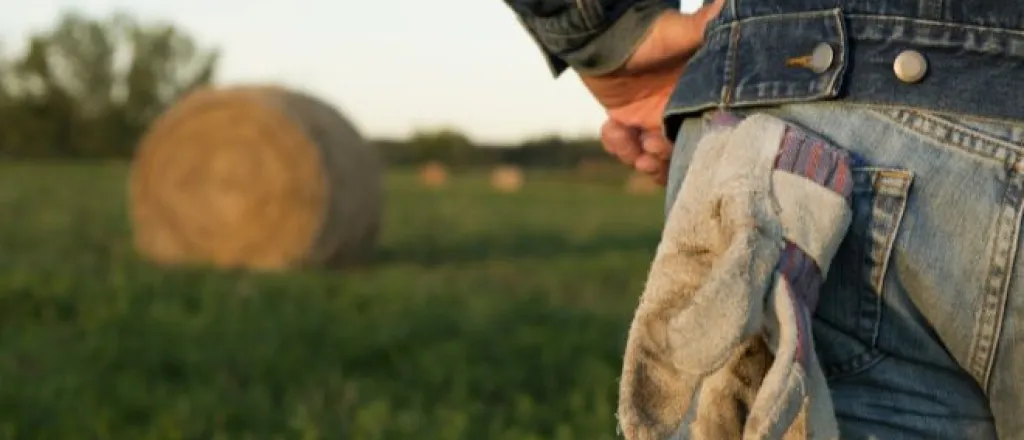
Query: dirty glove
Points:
[761, 214]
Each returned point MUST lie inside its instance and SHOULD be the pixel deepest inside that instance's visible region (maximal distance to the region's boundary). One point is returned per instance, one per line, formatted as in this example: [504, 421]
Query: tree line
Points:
[88, 87]
[457, 151]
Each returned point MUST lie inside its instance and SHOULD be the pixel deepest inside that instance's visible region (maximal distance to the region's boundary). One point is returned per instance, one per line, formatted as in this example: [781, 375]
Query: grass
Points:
[483, 316]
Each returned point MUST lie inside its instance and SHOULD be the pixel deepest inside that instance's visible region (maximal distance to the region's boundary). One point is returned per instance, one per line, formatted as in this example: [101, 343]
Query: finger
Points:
[648, 164]
[662, 178]
[621, 141]
[656, 144]
[708, 12]
[608, 132]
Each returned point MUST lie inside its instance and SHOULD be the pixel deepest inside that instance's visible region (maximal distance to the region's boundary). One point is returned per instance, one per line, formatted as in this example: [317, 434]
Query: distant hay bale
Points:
[588, 167]
[433, 174]
[601, 171]
[641, 184]
[255, 177]
[507, 179]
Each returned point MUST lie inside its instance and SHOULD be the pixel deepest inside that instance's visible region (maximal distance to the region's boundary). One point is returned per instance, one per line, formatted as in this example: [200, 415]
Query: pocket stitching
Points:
[973, 142]
[904, 178]
[894, 182]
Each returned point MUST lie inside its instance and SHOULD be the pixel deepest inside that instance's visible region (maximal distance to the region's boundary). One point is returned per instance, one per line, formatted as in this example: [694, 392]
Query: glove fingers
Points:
[654, 394]
[783, 392]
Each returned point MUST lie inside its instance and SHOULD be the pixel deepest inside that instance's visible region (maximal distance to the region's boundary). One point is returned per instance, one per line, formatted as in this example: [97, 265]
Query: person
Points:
[920, 325]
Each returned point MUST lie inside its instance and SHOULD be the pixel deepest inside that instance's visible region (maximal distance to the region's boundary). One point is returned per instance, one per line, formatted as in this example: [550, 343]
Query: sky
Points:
[391, 66]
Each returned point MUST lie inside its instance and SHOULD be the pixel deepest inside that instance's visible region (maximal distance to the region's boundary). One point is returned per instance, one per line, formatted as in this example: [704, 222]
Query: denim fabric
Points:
[591, 36]
[921, 317]
[974, 51]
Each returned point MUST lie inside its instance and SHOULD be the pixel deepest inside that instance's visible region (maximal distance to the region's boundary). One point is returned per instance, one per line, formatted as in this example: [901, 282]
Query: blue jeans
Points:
[920, 325]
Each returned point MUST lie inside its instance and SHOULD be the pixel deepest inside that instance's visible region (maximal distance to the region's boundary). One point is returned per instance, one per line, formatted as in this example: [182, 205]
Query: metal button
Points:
[822, 58]
[910, 66]
[818, 61]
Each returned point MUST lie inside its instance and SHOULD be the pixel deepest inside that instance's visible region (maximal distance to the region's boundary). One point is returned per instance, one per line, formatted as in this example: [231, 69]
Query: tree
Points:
[165, 65]
[443, 144]
[89, 87]
[5, 95]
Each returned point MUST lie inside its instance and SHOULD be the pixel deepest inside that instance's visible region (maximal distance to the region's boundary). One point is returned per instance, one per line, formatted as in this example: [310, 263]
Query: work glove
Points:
[720, 344]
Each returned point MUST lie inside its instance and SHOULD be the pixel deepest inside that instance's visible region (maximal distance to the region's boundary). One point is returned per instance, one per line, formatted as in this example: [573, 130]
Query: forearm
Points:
[590, 36]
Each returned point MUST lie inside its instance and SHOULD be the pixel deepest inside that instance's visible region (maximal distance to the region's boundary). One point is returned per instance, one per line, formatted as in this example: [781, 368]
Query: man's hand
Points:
[636, 94]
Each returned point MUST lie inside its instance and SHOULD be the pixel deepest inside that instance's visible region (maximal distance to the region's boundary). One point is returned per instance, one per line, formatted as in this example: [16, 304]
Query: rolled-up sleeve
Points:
[592, 37]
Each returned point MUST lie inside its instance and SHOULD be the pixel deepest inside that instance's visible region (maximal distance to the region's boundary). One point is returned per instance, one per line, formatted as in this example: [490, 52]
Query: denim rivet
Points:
[910, 66]
[818, 61]
[821, 58]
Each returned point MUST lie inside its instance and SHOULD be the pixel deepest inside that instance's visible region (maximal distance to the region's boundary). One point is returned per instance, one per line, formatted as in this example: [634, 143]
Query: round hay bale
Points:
[640, 184]
[507, 179]
[433, 174]
[602, 171]
[255, 177]
[587, 167]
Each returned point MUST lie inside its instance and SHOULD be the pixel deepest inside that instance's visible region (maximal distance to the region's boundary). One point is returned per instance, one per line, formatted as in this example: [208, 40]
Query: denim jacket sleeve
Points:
[590, 36]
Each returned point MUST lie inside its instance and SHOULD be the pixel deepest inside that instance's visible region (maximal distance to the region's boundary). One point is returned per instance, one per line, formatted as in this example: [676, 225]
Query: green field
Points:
[483, 316]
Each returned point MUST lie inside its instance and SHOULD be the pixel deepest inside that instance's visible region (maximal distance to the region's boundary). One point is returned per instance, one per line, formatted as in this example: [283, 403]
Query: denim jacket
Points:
[758, 52]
